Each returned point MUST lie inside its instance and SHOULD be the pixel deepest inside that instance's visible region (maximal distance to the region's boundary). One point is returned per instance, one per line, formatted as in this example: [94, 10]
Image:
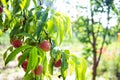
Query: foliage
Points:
[92, 32]
[31, 26]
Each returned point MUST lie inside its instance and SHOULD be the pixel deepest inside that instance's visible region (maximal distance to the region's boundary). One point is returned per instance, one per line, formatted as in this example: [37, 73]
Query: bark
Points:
[94, 61]
[94, 72]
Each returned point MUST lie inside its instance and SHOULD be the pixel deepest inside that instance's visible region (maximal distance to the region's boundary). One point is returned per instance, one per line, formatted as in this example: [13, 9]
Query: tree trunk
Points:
[94, 72]
[118, 77]
[94, 61]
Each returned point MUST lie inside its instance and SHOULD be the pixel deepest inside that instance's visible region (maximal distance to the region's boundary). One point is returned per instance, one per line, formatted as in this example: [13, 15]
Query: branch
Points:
[92, 21]
[88, 34]
[92, 31]
[94, 41]
[104, 36]
[46, 34]
[88, 31]
[24, 21]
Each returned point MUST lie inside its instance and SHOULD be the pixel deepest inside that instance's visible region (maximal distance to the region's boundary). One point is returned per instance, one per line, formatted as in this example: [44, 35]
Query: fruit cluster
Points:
[37, 71]
[45, 46]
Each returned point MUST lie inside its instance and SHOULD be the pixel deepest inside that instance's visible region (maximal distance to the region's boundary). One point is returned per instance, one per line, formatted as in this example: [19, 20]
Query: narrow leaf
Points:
[64, 66]
[33, 60]
[23, 56]
[39, 28]
[14, 30]
[61, 27]
[51, 65]
[50, 26]
[80, 67]
[8, 13]
[4, 3]
[12, 55]
[72, 66]
[35, 3]
[27, 35]
[27, 4]
[45, 15]
[45, 65]
[6, 52]
[28, 77]
[22, 5]
[40, 52]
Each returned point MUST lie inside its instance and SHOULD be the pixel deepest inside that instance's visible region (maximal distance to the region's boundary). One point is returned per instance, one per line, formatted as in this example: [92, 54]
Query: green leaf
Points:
[75, 59]
[4, 3]
[62, 31]
[37, 77]
[44, 64]
[38, 14]
[39, 28]
[16, 6]
[6, 52]
[14, 31]
[28, 77]
[8, 13]
[41, 77]
[27, 4]
[33, 60]
[64, 66]
[67, 24]
[23, 56]
[27, 35]
[59, 26]
[81, 69]
[35, 3]
[72, 66]
[50, 67]
[22, 4]
[43, 60]
[56, 54]
[48, 77]
[50, 26]
[45, 15]
[12, 55]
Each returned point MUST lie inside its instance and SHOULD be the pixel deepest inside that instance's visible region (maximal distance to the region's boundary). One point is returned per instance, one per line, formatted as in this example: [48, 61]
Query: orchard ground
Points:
[12, 72]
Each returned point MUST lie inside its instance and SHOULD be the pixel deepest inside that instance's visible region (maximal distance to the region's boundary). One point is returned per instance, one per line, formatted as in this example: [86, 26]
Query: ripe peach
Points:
[57, 63]
[45, 45]
[24, 65]
[38, 71]
[16, 43]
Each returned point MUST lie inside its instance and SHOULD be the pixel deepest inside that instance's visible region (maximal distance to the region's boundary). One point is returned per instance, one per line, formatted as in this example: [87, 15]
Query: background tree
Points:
[93, 32]
[35, 32]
